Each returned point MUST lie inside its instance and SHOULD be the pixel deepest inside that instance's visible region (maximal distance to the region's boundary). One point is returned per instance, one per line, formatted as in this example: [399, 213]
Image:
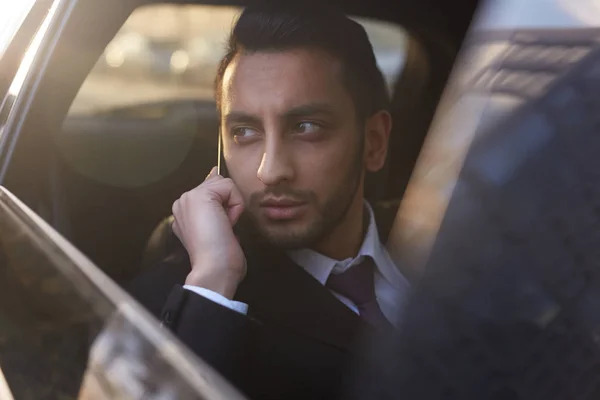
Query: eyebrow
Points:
[241, 117]
[309, 109]
[296, 112]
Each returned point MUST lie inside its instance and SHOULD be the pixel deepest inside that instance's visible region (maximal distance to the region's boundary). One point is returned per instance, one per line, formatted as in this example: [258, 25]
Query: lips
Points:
[282, 208]
[280, 202]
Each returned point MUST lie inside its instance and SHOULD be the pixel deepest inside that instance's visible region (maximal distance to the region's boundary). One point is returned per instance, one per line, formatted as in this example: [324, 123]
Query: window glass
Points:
[389, 44]
[166, 52]
[162, 53]
[68, 332]
[555, 14]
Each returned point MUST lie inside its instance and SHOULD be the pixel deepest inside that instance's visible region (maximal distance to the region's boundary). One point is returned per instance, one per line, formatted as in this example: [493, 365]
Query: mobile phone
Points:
[221, 166]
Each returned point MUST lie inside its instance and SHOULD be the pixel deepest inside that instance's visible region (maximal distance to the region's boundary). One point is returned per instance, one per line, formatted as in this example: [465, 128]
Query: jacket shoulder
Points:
[154, 284]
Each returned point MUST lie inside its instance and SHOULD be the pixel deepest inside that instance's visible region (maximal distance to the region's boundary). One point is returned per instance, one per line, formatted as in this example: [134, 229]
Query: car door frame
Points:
[18, 99]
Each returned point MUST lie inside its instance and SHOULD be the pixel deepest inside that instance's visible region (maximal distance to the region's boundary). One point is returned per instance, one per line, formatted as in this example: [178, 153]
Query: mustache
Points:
[282, 192]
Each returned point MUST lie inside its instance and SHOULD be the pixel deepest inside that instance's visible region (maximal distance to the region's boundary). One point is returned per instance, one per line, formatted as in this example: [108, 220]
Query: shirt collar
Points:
[320, 266]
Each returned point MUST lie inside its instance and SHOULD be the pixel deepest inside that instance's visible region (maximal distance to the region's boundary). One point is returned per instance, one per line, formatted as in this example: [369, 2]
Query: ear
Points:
[377, 135]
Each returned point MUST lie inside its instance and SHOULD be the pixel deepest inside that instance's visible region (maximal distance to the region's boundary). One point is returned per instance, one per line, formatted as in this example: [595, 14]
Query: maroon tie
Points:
[357, 284]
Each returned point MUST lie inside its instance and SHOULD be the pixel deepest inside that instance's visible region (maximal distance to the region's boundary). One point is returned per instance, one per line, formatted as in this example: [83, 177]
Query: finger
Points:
[235, 210]
[175, 229]
[230, 198]
[175, 207]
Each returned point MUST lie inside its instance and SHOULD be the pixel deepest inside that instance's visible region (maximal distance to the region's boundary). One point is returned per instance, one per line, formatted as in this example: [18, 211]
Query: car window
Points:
[167, 52]
[156, 78]
[69, 332]
[545, 14]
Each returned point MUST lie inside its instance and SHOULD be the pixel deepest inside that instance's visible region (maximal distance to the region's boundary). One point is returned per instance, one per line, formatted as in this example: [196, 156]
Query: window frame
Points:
[16, 47]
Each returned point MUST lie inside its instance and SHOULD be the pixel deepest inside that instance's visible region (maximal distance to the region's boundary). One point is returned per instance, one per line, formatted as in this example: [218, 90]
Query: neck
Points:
[345, 240]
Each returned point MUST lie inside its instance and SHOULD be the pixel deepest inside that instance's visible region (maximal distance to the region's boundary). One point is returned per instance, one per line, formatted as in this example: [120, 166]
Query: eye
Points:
[308, 127]
[244, 133]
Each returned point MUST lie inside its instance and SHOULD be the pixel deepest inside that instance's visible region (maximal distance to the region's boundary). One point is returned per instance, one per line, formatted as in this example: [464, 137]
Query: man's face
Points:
[291, 142]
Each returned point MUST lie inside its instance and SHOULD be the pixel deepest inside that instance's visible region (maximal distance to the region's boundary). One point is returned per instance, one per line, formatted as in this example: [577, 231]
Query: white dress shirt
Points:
[391, 287]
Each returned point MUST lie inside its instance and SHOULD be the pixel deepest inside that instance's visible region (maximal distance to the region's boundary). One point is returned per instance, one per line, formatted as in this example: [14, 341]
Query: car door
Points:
[67, 331]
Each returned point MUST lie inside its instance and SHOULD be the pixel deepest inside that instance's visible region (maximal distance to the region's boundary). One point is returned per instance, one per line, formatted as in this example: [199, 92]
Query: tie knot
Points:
[356, 283]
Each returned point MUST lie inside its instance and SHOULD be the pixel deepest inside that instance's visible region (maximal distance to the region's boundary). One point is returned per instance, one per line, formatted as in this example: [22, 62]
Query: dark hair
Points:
[277, 28]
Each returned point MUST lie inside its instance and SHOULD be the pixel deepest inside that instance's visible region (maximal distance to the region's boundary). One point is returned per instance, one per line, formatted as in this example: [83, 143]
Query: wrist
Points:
[224, 283]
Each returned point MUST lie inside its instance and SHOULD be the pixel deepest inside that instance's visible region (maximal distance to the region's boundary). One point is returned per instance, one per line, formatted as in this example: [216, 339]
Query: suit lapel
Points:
[280, 292]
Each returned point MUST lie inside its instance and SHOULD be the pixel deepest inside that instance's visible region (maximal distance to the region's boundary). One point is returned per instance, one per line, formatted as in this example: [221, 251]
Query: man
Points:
[276, 301]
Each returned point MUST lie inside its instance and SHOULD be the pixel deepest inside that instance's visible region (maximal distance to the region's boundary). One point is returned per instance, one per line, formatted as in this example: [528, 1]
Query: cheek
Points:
[242, 165]
[323, 165]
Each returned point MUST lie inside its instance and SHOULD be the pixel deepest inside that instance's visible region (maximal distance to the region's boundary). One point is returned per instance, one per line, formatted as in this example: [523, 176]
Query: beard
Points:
[329, 211]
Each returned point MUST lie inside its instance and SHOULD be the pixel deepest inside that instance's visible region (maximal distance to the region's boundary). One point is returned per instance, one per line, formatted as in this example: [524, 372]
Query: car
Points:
[92, 159]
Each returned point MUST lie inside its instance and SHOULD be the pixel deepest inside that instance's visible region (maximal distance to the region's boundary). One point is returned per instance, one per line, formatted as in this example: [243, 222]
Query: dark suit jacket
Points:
[297, 340]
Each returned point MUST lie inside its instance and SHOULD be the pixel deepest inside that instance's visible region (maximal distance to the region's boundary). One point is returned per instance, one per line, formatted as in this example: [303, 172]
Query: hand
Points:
[204, 220]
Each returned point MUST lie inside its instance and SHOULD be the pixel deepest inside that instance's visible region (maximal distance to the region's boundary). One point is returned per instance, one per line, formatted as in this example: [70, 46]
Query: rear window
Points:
[168, 52]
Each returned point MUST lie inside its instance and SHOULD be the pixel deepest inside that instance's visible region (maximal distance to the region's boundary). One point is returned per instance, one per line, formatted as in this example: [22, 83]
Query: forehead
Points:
[279, 80]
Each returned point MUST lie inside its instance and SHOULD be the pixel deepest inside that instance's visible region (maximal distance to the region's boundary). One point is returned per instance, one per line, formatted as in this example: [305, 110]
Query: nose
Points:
[276, 165]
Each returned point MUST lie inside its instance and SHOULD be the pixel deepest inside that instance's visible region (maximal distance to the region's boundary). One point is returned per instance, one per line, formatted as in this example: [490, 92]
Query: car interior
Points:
[105, 173]
[525, 205]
